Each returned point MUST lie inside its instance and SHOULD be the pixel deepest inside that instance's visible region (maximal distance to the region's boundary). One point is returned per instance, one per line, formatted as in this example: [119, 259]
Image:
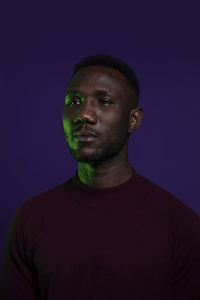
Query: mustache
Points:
[85, 129]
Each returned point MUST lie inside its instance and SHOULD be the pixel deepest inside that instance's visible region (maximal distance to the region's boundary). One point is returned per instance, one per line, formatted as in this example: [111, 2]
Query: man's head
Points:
[102, 97]
[112, 62]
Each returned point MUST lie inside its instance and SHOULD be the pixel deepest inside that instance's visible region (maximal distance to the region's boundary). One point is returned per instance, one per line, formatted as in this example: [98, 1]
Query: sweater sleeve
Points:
[18, 280]
[186, 277]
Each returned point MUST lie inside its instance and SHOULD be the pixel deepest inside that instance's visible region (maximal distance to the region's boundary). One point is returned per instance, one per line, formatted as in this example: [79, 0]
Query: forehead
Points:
[99, 77]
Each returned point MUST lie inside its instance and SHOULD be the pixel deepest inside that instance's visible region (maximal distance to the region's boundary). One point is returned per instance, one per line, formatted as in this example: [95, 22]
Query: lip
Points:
[84, 134]
[85, 138]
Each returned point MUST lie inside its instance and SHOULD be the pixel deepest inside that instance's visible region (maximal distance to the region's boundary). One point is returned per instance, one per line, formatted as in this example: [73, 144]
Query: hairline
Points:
[131, 87]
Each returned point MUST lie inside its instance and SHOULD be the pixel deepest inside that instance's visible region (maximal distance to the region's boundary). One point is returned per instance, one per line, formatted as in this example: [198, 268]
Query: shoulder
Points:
[181, 220]
[165, 202]
[40, 203]
[33, 214]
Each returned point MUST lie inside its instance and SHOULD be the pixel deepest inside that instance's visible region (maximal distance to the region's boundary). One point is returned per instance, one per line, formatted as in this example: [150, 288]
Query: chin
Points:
[89, 159]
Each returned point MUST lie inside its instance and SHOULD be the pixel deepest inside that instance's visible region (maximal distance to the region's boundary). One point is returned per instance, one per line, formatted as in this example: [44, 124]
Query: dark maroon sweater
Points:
[134, 241]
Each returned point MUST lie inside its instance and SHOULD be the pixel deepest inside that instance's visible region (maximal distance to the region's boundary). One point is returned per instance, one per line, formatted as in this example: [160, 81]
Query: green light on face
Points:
[67, 126]
[72, 106]
[72, 142]
[69, 98]
[85, 170]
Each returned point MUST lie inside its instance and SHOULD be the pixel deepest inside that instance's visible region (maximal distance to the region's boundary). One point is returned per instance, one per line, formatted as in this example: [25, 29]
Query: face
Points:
[97, 100]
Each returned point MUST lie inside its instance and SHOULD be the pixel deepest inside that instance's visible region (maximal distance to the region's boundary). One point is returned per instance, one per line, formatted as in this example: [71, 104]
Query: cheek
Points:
[115, 122]
[66, 125]
[66, 113]
[114, 129]
[67, 118]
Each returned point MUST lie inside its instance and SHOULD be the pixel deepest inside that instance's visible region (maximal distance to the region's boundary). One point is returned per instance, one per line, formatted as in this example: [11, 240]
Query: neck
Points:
[106, 174]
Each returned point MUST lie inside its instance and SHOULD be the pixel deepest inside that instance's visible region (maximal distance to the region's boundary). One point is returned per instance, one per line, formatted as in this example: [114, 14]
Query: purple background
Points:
[41, 44]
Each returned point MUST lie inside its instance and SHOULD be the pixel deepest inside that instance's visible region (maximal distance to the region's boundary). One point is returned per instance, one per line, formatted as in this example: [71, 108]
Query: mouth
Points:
[84, 135]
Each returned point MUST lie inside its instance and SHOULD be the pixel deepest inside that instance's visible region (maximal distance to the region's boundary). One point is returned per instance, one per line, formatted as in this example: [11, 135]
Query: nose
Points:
[86, 112]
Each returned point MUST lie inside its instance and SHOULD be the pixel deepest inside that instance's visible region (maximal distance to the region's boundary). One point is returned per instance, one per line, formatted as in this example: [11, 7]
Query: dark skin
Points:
[110, 113]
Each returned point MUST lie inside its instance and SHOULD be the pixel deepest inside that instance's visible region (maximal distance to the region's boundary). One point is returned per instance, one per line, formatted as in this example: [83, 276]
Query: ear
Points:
[135, 119]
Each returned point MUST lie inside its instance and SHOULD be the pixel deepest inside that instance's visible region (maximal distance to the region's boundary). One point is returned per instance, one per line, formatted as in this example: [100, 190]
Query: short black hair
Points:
[113, 62]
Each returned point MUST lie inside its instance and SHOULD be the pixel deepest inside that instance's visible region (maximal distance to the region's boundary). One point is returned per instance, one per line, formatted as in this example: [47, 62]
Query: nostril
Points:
[78, 119]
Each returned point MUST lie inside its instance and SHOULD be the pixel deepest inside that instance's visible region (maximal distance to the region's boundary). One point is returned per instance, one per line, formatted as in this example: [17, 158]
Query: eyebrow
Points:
[101, 93]
[95, 93]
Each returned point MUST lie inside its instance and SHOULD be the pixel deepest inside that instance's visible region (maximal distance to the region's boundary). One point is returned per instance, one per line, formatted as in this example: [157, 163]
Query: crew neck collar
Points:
[78, 183]
[101, 197]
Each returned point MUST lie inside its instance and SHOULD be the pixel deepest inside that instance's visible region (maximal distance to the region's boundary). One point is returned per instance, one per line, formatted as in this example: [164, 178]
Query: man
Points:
[107, 232]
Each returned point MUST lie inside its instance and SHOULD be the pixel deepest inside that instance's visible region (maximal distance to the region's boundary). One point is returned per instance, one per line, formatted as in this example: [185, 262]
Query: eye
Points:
[74, 100]
[105, 101]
